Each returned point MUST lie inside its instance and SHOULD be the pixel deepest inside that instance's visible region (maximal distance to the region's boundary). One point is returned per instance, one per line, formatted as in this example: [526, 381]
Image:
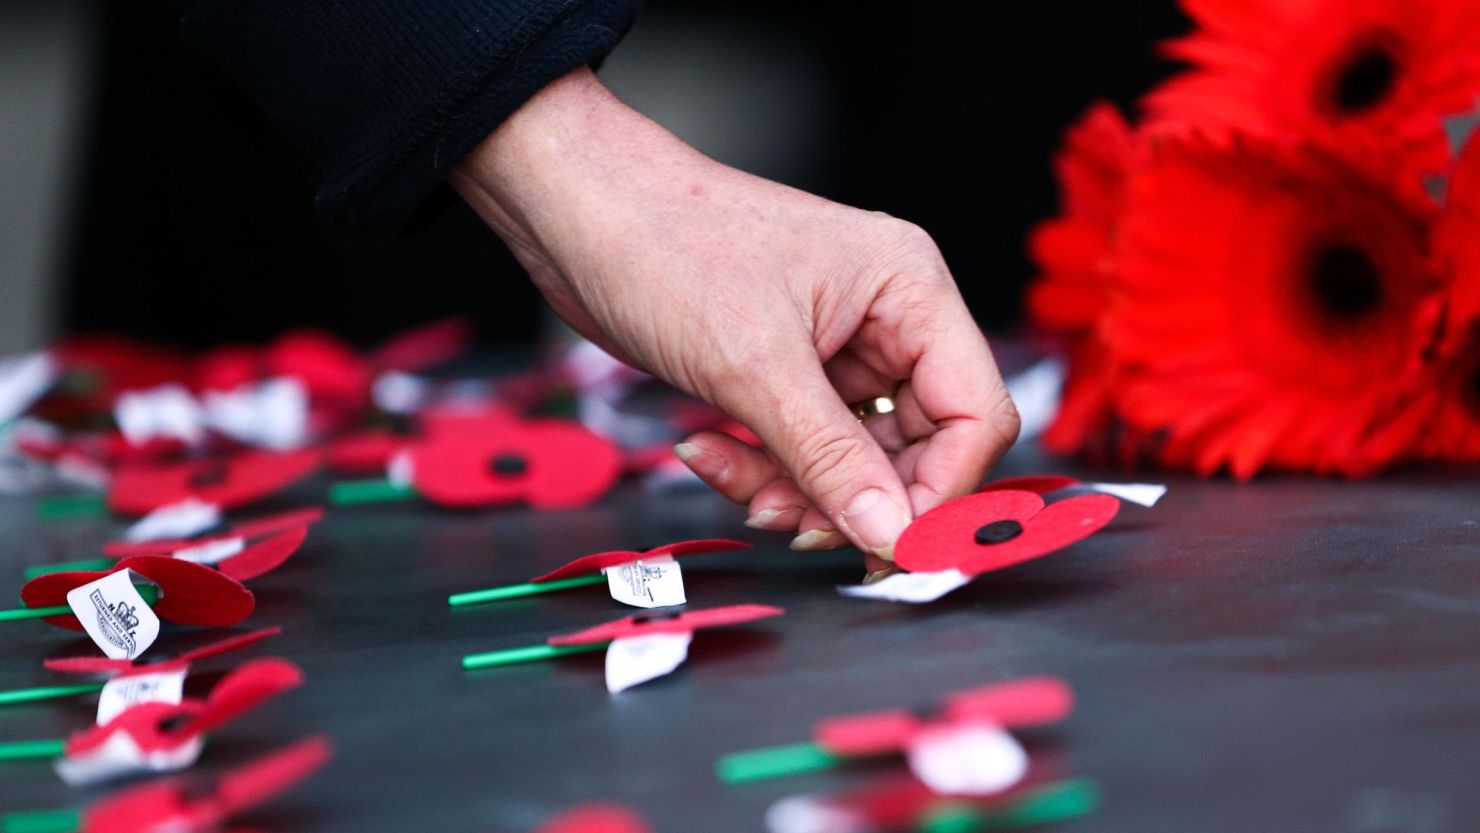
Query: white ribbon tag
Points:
[974, 759]
[168, 411]
[211, 552]
[637, 659]
[186, 519]
[23, 379]
[124, 692]
[1144, 494]
[652, 582]
[115, 615]
[812, 814]
[120, 756]
[270, 414]
[913, 588]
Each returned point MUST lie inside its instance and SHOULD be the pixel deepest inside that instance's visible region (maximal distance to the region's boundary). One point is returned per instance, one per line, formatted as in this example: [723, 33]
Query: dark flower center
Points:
[998, 531]
[655, 616]
[1365, 80]
[212, 474]
[1345, 283]
[509, 465]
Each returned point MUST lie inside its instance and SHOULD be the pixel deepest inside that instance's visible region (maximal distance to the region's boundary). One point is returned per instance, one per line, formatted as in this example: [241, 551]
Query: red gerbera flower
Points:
[1075, 256]
[1273, 307]
[1369, 78]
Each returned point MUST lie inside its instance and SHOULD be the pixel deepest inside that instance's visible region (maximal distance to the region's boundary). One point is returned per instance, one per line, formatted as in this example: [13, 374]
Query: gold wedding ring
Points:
[870, 407]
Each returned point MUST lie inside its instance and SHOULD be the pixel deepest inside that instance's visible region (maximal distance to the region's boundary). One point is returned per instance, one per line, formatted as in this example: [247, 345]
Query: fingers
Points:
[958, 389]
[833, 458]
[734, 469]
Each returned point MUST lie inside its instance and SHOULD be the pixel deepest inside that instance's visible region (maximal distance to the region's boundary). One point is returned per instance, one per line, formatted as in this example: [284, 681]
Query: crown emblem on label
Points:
[125, 615]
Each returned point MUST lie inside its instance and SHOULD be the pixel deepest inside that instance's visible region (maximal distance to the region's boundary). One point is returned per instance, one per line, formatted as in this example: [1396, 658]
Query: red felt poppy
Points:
[161, 727]
[1017, 704]
[172, 806]
[1038, 484]
[96, 369]
[1075, 256]
[1273, 307]
[997, 529]
[649, 624]
[105, 665]
[261, 551]
[1370, 79]
[227, 482]
[604, 560]
[251, 528]
[365, 453]
[424, 347]
[596, 818]
[189, 594]
[549, 464]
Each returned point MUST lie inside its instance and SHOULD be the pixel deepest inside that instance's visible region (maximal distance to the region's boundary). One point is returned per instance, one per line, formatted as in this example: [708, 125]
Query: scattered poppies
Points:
[1263, 274]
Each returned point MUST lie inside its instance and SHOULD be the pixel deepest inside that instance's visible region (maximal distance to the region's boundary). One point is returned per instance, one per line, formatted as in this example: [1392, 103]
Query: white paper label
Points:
[1035, 392]
[115, 615]
[186, 519]
[23, 379]
[401, 471]
[270, 414]
[971, 759]
[812, 814]
[914, 588]
[211, 552]
[637, 659]
[168, 411]
[652, 582]
[1144, 494]
[120, 756]
[124, 692]
[400, 393]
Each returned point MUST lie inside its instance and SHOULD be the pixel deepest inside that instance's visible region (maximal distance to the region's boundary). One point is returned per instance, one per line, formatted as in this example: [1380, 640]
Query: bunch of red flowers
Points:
[1280, 265]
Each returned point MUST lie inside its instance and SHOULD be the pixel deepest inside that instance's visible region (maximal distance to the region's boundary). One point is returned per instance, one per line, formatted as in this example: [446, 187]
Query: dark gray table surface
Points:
[1288, 655]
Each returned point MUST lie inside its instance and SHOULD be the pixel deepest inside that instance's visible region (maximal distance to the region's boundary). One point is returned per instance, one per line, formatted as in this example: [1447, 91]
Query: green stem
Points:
[31, 695]
[63, 507]
[1050, 804]
[774, 762]
[30, 750]
[529, 654]
[350, 492]
[148, 592]
[69, 566]
[42, 821]
[514, 591]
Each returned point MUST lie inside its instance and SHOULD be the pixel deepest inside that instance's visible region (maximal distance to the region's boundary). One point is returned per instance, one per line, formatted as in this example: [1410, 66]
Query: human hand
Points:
[777, 306]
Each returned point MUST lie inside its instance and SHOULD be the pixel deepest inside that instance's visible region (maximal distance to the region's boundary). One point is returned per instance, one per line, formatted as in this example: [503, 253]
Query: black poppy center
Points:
[655, 616]
[212, 474]
[997, 532]
[509, 465]
[1345, 283]
[1365, 81]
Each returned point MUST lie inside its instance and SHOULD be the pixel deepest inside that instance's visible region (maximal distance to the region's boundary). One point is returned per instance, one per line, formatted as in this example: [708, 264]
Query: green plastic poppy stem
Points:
[69, 566]
[148, 592]
[55, 692]
[1050, 804]
[530, 654]
[351, 492]
[514, 591]
[30, 750]
[63, 507]
[774, 762]
[42, 821]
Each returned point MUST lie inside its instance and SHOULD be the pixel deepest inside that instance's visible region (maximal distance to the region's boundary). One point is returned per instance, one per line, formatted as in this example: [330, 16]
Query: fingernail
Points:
[706, 464]
[879, 575]
[876, 520]
[812, 539]
[765, 518]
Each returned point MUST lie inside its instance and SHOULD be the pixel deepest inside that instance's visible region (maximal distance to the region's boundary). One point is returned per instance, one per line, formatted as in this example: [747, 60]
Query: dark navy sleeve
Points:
[384, 97]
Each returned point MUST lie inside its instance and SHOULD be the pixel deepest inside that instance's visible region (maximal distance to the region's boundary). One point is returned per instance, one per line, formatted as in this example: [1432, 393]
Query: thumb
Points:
[830, 454]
